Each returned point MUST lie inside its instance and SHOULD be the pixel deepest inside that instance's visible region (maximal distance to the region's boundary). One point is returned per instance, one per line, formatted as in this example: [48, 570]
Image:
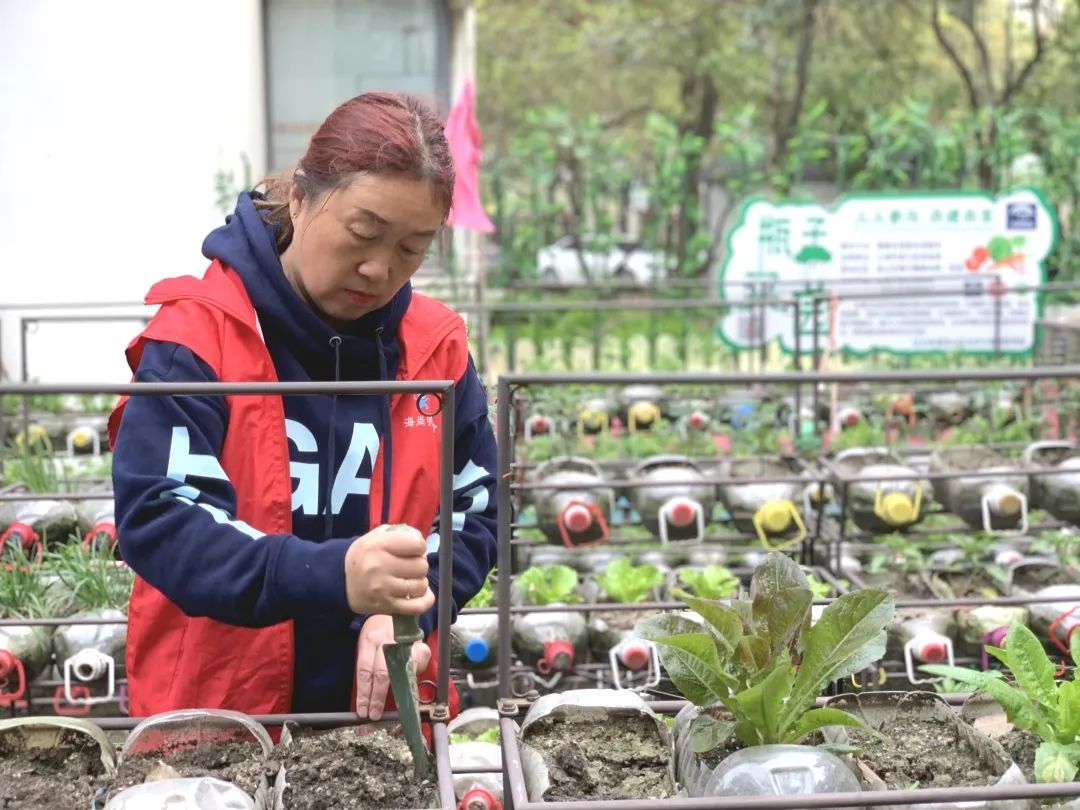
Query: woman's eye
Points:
[363, 237]
[408, 251]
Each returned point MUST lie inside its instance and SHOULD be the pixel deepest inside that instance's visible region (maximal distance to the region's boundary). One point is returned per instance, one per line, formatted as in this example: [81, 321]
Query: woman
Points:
[274, 536]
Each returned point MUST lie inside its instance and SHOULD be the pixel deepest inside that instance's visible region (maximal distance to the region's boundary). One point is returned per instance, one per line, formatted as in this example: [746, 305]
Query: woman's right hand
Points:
[386, 572]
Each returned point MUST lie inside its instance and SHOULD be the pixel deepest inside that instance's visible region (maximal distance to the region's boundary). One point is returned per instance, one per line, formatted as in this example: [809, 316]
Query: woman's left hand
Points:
[372, 680]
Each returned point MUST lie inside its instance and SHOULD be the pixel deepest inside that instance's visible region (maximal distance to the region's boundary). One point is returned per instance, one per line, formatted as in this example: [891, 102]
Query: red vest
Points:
[175, 661]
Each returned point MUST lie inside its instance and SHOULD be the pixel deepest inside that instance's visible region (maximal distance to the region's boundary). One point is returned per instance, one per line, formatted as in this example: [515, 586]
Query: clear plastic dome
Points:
[203, 793]
[186, 728]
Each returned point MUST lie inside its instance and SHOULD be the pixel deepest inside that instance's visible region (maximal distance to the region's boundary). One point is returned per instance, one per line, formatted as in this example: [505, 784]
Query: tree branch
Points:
[802, 63]
[980, 47]
[950, 51]
[1039, 41]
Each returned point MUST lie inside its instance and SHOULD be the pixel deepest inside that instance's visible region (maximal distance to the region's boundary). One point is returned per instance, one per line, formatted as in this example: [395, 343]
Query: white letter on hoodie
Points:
[365, 443]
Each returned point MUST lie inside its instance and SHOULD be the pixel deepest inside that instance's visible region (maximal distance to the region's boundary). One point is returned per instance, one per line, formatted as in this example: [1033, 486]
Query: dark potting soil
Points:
[622, 758]
[922, 753]
[62, 778]
[238, 763]
[351, 769]
[1020, 745]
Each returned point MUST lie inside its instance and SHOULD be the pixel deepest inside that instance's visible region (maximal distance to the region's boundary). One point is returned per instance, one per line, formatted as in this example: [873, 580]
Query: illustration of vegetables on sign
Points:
[999, 253]
[970, 250]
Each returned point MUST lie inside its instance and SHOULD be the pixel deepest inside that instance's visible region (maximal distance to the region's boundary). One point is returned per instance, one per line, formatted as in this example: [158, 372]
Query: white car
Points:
[618, 260]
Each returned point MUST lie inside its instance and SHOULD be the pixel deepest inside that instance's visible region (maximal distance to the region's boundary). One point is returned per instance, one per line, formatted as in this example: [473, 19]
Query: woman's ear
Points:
[296, 200]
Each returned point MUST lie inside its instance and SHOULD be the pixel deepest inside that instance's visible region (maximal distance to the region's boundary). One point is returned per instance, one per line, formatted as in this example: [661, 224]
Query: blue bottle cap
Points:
[477, 650]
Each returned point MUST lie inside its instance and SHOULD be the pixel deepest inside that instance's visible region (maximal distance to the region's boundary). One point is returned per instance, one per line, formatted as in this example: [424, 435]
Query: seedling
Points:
[628, 583]
[548, 585]
[713, 582]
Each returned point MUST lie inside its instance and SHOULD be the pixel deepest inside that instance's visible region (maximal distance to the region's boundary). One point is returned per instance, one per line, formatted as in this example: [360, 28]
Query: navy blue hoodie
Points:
[191, 549]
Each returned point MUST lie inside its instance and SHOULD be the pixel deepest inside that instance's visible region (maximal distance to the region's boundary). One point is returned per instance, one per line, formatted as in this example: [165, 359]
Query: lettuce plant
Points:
[761, 661]
[628, 583]
[548, 584]
[1036, 703]
[712, 582]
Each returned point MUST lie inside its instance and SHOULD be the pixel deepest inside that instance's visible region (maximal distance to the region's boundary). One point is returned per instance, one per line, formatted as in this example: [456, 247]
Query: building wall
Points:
[128, 125]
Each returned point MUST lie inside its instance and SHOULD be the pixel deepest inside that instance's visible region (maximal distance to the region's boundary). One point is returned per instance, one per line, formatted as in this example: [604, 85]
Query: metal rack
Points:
[510, 706]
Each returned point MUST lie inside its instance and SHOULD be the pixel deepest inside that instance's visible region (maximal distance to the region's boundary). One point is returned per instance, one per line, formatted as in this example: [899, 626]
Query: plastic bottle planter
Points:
[25, 653]
[921, 638]
[677, 501]
[474, 638]
[600, 727]
[91, 655]
[579, 514]
[37, 522]
[767, 511]
[641, 407]
[162, 736]
[634, 662]
[1059, 493]
[1056, 621]
[477, 791]
[97, 523]
[875, 502]
[762, 770]
[977, 627]
[594, 416]
[553, 642]
[90, 764]
[882, 710]
[948, 408]
[84, 435]
[997, 503]
[539, 424]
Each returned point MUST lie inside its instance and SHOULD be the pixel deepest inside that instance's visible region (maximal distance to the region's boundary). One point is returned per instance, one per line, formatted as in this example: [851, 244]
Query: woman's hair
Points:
[376, 133]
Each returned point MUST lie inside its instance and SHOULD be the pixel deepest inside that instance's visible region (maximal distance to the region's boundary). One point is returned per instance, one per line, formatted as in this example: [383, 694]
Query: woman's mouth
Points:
[360, 298]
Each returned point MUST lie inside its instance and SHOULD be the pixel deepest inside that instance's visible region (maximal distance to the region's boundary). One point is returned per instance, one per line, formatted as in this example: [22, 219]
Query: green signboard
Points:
[969, 247]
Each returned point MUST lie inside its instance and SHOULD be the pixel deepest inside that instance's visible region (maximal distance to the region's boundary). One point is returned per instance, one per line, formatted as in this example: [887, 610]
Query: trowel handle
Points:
[407, 630]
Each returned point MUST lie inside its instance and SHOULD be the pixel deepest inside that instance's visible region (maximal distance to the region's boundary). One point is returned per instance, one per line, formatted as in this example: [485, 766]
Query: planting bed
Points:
[240, 763]
[351, 769]
[65, 777]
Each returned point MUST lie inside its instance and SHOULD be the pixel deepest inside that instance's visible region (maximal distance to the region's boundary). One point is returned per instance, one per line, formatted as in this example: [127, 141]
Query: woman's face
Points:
[353, 249]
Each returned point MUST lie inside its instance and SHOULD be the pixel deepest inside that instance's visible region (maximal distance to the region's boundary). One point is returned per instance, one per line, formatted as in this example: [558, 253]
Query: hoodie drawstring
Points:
[328, 531]
[388, 432]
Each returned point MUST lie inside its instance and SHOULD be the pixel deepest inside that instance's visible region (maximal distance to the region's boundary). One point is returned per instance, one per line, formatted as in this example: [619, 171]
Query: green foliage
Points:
[489, 736]
[22, 586]
[762, 661]
[548, 585]
[628, 583]
[1036, 703]
[32, 463]
[92, 579]
[712, 582]
[903, 554]
[485, 598]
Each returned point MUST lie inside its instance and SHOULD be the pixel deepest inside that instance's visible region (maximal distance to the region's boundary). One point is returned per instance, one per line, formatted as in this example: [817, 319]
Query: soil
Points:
[922, 753]
[621, 619]
[623, 758]
[63, 778]
[1020, 745]
[239, 763]
[351, 769]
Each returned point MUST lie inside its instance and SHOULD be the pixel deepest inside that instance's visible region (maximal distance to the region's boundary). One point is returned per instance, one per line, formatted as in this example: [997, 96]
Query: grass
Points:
[92, 578]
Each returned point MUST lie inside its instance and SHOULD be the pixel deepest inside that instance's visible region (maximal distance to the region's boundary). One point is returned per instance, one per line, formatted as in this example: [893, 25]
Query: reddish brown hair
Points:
[376, 133]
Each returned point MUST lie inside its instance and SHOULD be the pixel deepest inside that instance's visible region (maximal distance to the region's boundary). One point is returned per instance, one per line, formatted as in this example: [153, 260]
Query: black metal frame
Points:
[444, 389]
[515, 795]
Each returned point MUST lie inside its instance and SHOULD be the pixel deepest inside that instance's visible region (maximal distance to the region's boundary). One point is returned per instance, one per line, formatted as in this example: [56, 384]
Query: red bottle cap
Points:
[577, 518]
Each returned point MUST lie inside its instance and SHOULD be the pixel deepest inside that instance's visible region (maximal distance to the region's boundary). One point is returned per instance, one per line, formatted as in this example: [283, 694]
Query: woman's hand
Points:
[386, 572]
[372, 680]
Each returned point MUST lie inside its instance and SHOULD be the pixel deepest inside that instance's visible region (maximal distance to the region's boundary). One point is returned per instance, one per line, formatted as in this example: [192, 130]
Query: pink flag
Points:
[463, 135]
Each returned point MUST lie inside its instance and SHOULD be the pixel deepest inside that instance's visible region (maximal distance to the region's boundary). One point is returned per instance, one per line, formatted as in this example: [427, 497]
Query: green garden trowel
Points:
[399, 666]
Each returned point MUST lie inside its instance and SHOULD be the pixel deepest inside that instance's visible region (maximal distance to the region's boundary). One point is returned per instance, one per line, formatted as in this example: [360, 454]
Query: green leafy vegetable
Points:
[762, 661]
[1037, 703]
[485, 598]
[628, 583]
[548, 584]
[713, 582]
